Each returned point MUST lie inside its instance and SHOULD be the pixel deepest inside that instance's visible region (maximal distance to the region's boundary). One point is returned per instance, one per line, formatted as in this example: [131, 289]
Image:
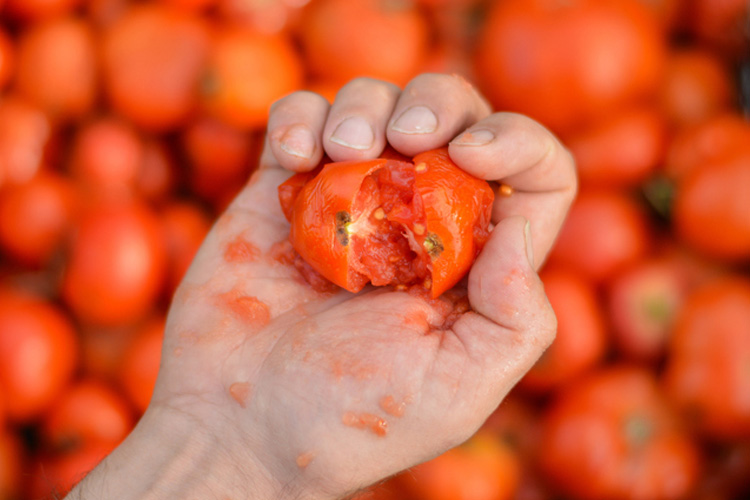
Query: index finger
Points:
[536, 172]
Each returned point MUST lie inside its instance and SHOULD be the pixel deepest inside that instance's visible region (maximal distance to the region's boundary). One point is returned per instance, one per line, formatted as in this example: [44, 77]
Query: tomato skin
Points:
[140, 365]
[450, 196]
[446, 216]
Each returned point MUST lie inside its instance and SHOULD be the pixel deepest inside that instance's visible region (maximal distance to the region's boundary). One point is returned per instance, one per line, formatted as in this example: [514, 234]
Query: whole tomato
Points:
[622, 150]
[568, 62]
[708, 356]
[606, 230]
[38, 353]
[35, 217]
[613, 436]
[153, 57]
[116, 266]
[389, 221]
[57, 67]
[711, 210]
[25, 135]
[245, 73]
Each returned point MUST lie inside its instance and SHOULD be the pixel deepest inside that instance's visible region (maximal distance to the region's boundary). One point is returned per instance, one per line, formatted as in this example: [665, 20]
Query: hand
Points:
[269, 389]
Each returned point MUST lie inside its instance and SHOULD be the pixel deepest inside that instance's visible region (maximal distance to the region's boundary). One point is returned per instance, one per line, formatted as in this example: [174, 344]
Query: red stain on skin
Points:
[373, 423]
[417, 320]
[240, 250]
[177, 352]
[304, 459]
[240, 391]
[246, 308]
[391, 406]
[283, 253]
[450, 306]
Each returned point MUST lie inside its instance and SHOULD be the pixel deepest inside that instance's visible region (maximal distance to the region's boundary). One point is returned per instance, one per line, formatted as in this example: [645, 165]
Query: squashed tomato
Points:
[389, 221]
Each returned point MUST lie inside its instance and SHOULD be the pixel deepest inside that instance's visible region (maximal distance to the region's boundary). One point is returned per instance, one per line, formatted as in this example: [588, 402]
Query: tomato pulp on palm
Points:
[389, 221]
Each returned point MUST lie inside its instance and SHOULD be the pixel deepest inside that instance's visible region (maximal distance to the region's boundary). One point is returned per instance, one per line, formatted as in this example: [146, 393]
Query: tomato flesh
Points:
[389, 221]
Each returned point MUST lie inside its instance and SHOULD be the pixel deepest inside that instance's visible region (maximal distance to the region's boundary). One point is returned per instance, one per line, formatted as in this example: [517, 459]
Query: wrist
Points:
[170, 455]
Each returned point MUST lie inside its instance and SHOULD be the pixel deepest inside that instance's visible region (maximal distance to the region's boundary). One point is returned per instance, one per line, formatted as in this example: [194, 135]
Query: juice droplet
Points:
[391, 406]
[375, 424]
[304, 459]
[240, 391]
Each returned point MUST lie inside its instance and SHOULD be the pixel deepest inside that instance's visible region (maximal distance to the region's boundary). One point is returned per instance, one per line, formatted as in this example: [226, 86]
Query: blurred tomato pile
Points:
[126, 126]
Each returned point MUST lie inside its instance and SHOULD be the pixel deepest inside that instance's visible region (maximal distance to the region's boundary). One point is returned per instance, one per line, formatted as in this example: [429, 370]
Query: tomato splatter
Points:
[304, 459]
[240, 391]
[375, 424]
[391, 406]
[240, 250]
[246, 308]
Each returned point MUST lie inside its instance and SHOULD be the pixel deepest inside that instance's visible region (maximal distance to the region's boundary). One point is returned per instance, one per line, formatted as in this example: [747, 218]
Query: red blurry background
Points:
[126, 126]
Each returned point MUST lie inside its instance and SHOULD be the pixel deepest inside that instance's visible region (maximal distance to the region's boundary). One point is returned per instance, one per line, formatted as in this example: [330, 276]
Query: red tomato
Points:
[605, 231]
[388, 221]
[708, 357]
[643, 302]
[483, 468]
[152, 59]
[220, 157]
[711, 210]
[25, 133]
[697, 85]
[612, 436]
[57, 67]
[117, 264]
[705, 142]
[581, 340]
[140, 366]
[722, 23]
[89, 411]
[622, 150]
[36, 216]
[38, 354]
[566, 63]
[158, 174]
[107, 155]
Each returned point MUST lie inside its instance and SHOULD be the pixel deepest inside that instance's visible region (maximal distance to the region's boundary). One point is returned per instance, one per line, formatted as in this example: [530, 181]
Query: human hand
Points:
[270, 389]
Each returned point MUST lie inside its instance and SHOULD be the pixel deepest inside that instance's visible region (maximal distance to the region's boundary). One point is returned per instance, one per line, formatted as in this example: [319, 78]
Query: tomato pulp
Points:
[389, 221]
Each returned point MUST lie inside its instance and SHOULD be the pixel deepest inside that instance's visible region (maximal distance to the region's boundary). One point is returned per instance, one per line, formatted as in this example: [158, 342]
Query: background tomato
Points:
[116, 266]
[567, 63]
[127, 126]
[612, 436]
[38, 354]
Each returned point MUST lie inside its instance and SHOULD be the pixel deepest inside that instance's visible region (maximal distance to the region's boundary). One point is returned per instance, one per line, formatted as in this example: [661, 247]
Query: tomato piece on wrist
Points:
[389, 221]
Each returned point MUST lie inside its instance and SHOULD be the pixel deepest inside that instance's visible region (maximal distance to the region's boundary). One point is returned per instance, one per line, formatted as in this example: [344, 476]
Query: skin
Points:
[269, 389]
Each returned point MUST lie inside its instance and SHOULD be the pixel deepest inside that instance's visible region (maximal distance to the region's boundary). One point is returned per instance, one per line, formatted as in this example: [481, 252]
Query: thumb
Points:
[512, 321]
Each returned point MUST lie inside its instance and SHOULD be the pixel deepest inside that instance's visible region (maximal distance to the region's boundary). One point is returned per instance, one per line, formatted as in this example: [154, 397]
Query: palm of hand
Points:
[324, 382]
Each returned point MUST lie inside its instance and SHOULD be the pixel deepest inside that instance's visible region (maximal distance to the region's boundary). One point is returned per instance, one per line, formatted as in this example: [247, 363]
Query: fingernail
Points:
[529, 245]
[355, 133]
[416, 120]
[298, 141]
[474, 138]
